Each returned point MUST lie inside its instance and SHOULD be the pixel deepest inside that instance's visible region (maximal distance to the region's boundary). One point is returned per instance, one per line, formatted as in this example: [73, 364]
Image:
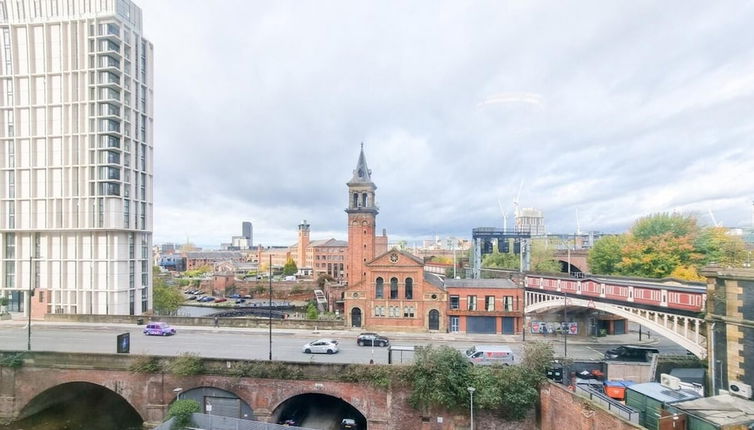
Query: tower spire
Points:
[362, 173]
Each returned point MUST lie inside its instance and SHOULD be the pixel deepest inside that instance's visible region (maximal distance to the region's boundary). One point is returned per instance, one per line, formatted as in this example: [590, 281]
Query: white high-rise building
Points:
[75, 157]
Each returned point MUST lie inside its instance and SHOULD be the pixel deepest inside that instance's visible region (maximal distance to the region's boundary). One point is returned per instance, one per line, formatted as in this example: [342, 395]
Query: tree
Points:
[538, 356]
[658, 244]
[166, 299]
[439, 377]
[181, 410]
[719, 247]
[606, 254]
[543, 258]
[311, 312]
[501, 260]
[290, 268]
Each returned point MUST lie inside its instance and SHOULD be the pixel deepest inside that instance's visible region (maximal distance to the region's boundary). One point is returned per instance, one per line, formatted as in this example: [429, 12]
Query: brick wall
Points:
[562, 409]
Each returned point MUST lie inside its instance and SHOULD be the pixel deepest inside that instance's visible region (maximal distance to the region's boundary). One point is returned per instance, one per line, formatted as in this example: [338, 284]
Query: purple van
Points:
[158, 329]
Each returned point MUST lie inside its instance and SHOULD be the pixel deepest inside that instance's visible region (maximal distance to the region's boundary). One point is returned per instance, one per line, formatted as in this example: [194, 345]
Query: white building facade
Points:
[76, 157]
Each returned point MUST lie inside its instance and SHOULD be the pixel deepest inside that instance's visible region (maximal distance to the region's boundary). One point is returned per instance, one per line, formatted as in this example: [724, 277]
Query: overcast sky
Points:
[604, 111]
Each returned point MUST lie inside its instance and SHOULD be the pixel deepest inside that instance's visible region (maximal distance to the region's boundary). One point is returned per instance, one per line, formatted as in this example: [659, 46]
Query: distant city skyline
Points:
[606, 112]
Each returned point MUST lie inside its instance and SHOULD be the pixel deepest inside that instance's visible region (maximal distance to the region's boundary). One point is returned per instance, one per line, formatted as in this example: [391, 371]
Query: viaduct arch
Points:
[22, 390]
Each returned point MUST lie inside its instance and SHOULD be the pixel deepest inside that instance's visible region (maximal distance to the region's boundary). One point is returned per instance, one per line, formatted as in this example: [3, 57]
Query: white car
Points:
[321, 346]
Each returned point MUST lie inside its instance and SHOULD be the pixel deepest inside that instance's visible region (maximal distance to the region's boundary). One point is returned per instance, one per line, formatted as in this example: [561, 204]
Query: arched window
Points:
[409, 288]
[393, 288]
[364, 199]
[355, 200]
[378, 294]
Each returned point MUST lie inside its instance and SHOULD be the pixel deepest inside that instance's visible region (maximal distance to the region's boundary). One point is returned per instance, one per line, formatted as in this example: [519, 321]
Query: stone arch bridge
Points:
[44, 375]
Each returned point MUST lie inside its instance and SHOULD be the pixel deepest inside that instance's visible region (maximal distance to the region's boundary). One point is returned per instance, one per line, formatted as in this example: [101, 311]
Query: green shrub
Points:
[187, 364]
[181, 410]
[266, 370]
[14, 361]
[146, 364]
[375, 375]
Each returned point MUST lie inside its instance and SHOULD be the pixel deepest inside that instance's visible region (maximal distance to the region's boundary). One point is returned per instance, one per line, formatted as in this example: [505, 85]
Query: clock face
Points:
[393, 258]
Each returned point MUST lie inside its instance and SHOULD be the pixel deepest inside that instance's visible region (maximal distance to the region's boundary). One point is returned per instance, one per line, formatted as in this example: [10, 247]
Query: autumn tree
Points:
[719, 247]
[666, 245]
[290, 268]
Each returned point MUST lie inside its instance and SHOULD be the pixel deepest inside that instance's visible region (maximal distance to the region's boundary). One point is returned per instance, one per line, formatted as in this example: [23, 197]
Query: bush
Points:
[266, 370]
[181, 410]
[439, 377]
[375, 375]
[187, 365]
[14, 361]
[145, 364]
[311, 312]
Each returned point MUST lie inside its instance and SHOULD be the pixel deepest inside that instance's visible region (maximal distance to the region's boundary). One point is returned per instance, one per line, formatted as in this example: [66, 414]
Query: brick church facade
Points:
[387, 289]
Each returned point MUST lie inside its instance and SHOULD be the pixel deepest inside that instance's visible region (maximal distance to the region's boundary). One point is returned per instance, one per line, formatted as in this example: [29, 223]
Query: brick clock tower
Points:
[362, 215]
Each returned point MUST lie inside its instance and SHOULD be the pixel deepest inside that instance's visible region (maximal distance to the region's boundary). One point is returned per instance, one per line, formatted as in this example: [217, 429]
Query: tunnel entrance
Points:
[79, 405]
[317, 411]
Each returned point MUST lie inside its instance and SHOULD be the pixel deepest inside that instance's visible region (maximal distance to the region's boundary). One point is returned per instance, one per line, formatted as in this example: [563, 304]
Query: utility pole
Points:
[269, 309]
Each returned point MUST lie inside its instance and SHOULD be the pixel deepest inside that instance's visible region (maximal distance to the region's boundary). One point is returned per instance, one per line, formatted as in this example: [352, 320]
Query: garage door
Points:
[486, 325]
[222, 406]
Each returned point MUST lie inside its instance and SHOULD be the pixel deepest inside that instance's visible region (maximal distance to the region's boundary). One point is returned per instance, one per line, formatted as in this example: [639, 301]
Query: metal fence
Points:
[215, 422]
[608, 403]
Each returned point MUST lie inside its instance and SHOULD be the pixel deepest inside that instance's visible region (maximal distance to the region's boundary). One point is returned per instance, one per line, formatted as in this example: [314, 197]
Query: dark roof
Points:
[480, 283]
[361, 174]
[328, 242]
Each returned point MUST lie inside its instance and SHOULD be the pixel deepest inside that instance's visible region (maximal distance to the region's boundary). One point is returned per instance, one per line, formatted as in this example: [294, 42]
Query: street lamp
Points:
[177, 392]
[269, 310]
[471, 406]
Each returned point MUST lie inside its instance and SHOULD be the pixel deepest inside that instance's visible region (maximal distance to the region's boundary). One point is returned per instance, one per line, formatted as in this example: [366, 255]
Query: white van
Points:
[490, 354]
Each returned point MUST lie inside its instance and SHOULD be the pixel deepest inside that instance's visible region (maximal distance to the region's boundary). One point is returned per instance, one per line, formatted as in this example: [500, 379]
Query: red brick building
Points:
[387, 290]
[492, 306]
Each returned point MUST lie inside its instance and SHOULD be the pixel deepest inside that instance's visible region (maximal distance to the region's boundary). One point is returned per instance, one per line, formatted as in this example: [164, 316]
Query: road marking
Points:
[599, 354]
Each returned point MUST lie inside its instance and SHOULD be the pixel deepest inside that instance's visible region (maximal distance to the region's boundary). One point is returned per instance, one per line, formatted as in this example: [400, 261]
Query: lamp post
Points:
[28, 310]
[471, 406]
[177, 392]
[269, 310]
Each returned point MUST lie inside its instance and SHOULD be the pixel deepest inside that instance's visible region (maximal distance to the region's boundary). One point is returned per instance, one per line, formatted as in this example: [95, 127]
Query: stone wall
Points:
[562, 409]
[201, 321]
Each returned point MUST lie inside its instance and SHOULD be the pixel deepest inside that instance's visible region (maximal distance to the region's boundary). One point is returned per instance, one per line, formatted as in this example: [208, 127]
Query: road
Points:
[233, 343]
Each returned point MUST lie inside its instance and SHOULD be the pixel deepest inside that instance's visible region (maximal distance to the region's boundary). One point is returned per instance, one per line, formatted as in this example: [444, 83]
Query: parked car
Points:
[158, 329]
[191, 298]
[630, 353]
[321, 346]
[348, 424]
[221, 299]
[239, 301]
[490, 354]
[234, 296]
[206, 299]
[372, 339]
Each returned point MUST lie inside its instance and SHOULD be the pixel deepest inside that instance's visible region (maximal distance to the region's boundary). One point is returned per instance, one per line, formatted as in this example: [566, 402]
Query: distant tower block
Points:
[531, 220]
[247, 231]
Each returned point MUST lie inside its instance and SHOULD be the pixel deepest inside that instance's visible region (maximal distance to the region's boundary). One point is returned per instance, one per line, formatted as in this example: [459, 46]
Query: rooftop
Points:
[722, 410]
[480, 283]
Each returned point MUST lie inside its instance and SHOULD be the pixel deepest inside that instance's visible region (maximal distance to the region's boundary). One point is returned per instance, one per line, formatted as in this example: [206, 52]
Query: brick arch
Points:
[281, 401]
[43, 399]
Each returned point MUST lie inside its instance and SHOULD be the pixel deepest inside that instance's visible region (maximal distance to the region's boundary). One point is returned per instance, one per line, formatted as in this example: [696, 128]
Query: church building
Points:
[387, 289]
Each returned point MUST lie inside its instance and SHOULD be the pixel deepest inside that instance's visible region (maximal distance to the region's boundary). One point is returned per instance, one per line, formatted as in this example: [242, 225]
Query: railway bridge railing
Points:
[684, 330]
